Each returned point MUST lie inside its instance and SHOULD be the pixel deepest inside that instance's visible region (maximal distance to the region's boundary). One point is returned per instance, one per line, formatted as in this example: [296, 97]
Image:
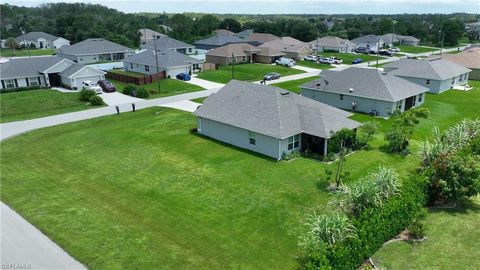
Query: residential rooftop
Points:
[93, 46]
[434, 69]
[166, 58]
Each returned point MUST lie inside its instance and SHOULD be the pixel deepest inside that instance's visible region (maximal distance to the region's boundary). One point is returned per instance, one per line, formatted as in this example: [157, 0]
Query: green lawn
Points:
[349, 57]
[168, 87]
[452, 242]
[294, 85]
[416, 49]
[38, 103]
[5, 52]
[137, 190]
[124, 72]
[199, 100]
[245, 72]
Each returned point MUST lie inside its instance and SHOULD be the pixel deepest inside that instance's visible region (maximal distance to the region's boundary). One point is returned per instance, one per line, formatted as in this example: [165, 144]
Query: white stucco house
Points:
[41, 40]
[94, 50]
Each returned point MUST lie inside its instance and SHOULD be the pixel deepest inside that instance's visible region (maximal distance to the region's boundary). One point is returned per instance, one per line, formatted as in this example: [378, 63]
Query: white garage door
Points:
[79, 81]
[172, 72]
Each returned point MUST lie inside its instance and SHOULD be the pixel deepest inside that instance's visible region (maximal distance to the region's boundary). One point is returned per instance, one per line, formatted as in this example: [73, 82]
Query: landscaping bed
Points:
[245, 72]
[168, 87]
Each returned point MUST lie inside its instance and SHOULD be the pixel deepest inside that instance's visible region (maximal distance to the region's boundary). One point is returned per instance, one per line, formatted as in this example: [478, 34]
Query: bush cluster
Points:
[90, 96]
[20, 89]
[135, 91]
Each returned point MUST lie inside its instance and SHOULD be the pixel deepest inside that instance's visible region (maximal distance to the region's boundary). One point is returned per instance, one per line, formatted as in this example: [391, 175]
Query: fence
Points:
[135, 80]
[209, 66]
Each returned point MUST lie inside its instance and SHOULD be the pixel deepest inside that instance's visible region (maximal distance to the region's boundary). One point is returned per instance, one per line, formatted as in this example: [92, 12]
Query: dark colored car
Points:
[357, 61]
[183, 76]
[385, 52]
[361, 50]
[271, 76]
[106, 86]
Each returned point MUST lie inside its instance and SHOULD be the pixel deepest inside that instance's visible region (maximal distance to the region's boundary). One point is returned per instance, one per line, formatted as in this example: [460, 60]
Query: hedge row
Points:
[373, 228]
[20, 89]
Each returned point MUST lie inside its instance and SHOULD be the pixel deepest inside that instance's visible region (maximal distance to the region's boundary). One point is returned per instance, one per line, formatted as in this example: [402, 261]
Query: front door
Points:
[54, 79]
[409, 103]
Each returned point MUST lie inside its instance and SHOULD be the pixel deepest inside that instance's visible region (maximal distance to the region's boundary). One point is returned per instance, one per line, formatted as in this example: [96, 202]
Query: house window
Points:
[196, 67]
[33, 81]
[399, 105]
[244, 59]
[293, 142]
[453, 80]
[428, 81]
[189, 50]
[131, 65]
[147, 68]
[420, 97]
[9, 83]
[341, 97]
[460, 78]
[251, 137]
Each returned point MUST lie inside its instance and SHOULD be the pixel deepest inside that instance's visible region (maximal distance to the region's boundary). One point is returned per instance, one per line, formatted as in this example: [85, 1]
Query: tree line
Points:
[78, 21]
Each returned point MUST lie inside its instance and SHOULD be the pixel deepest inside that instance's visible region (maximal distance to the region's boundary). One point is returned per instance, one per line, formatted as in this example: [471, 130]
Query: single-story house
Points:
[245, 33]
[371, 42]
[172, 62]
[260, 38]
[392, 39]
[217, 41]
[365, 90]
[243, 53]
[224, 32]
[332, 43]
[269, 120]
[46, 71]
[94, 50]
[437, 74]
[469, 58]
[147, 35]
[168, 43]
[409, 41]
[41, 40]
[293, 48]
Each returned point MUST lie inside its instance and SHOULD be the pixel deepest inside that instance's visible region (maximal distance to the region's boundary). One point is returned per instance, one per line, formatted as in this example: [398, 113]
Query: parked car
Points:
[271, 76]
[285, 62]
[385, 52]
[183, 77]
[326, 60]
[336, 60]
[357, 61]
[106, 86]
[311, 58]
[363, 50]
[92, 86]
[372, 51]
[395, 49]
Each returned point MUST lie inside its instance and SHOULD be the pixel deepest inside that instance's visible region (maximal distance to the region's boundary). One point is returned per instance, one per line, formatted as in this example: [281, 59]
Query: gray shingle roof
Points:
[33, 36]
[24, 67]
[434, 69]
[72, 69]
[93, 46]
[166, 43]
[366, 83]
[371, 39]
[166, 59]
[219, 40]
[272, 111]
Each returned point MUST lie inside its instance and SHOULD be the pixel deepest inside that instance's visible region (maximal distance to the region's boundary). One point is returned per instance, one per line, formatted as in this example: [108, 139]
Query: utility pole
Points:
[233, 66]
[378, 45]
[316, 48]
[156, 60]
[25, 41]
[441, 45]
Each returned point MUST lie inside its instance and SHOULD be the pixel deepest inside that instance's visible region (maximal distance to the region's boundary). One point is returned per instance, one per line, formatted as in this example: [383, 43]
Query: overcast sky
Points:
[282, 6]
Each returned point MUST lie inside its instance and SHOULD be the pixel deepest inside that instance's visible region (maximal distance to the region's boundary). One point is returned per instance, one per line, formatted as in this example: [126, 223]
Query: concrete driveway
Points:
[25, 247]
[184, 105]
[204, 83]
[117, 98]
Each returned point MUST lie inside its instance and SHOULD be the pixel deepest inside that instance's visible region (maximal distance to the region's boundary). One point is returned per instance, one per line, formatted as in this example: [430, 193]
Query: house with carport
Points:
[94, 50]
[365, 90]
[46, 71]
[436, 74]
[269, 120]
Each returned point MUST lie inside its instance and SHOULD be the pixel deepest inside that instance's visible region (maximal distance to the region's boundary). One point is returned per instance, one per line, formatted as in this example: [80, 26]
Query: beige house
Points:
[332, 43]
[293, 48]
[147, 35]
[469, 58]
[260, 38]
[242, 53]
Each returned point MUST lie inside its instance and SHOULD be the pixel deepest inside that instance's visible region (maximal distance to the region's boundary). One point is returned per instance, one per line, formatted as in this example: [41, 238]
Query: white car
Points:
[92, 86]
[326, 60]
[395, 49]
[335, 60]
[312, 58]
[285, 62]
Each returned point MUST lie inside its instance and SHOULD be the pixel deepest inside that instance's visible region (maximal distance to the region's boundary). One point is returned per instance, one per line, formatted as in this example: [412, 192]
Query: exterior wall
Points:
[174, 71]
[171, 71]
[89, 58]
[67, 56]
[265, 59]
[409, 43]
[474, 74]
[59, 42]
[363, 104]
[437, 86]
[284, 146]
[220, 60]
[22, 82]
[265, 145]
[339, 49]
[84, 75]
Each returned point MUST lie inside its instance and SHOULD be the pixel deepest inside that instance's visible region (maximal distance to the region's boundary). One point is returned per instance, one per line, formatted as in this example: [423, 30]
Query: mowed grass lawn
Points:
[168, 87]
[452, 242]
[38, 103]
[349, 57]
[314, 65]
[138, 190]
[416, 49]
[294, 85]
[6, 52]
[245, 72]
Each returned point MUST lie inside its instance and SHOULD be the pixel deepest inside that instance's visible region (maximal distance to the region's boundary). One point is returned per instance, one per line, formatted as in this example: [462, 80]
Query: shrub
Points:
[193, 130]
[367, 131]
[20, 89]
[142, 93]
[96, 100]
[416, 229]
[344, 138]
[86, 94]
[421, 112]
[129, 89]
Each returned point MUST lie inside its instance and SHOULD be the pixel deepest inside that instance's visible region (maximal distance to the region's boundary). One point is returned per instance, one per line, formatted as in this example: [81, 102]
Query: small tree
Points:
[399, 134]
[12, 44]
[368, 130]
